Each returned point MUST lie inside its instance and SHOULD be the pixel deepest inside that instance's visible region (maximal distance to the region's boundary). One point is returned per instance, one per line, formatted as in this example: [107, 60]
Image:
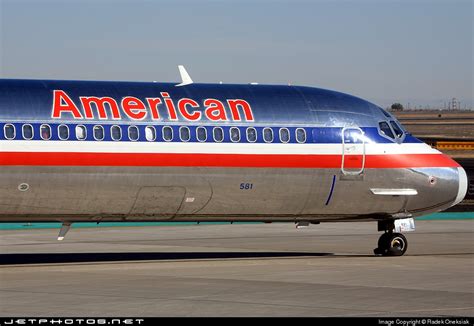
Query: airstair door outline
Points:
[353, 151]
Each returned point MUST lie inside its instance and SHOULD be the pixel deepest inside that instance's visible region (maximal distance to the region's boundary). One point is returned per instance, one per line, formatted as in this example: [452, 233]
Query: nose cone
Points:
[462, 186]
[437, 189]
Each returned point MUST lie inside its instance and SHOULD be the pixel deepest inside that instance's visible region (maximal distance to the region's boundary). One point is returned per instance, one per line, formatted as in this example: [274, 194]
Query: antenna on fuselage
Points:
[185, 78]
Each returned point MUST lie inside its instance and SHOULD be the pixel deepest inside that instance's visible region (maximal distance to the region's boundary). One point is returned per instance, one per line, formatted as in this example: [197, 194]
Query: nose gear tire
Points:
[391, 244]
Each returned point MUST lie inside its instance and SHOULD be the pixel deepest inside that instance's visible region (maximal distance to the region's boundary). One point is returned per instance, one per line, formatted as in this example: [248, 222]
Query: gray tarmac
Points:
[237, 270]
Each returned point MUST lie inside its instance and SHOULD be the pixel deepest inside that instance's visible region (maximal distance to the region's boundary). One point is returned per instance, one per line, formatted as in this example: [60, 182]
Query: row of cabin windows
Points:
[150, 133]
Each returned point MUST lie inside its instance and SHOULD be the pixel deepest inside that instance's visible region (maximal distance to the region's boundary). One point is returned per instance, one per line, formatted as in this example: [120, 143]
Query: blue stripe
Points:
[317, 135]
[332, 189]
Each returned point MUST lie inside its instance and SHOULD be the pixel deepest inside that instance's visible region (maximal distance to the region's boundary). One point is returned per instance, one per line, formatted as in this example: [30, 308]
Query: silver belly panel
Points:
[217, 194]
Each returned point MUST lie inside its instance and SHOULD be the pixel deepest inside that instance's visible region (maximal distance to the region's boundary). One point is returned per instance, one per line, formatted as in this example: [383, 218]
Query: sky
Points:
[417, 51]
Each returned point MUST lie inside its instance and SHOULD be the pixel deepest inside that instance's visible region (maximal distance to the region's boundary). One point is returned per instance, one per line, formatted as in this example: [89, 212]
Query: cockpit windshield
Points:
[386, 130]
[391, 127]
[397, 129]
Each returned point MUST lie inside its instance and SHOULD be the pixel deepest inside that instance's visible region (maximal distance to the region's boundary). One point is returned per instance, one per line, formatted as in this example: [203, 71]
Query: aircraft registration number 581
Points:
[246, 186]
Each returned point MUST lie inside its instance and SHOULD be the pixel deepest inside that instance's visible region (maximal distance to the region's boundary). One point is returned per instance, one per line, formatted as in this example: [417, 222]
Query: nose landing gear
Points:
[390, 243]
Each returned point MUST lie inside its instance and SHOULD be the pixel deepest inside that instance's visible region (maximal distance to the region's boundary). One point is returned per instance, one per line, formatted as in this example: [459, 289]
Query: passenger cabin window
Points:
[385, 130]
[284, 135]
[268, 135]
[116, 132]
[150, 133]
[167, 133]
[235, 134]
[9, 130]
[184, 134]
[398, 130]
[63, 132]
[201, 134]
[218, 134]
[133, 133]
[45, 132]
[251, 135]
[81, 132]
[98, 132]
[300, 135]
[27, 132]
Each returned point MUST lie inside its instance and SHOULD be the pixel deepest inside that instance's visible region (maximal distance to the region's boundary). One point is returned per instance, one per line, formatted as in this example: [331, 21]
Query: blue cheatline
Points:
[19, 226]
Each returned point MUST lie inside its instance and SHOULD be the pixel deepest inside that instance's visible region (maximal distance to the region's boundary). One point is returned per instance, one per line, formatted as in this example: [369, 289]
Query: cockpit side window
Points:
[396, 128]
[386, 130]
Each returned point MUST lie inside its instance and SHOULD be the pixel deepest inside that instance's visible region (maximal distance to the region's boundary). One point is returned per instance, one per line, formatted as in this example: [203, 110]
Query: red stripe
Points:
[224, 160]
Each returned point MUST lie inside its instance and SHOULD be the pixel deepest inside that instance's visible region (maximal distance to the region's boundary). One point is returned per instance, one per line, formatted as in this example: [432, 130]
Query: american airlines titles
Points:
[153, 107]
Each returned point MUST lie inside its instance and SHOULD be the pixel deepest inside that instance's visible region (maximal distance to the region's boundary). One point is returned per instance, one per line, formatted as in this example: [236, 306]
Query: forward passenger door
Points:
[353, 151]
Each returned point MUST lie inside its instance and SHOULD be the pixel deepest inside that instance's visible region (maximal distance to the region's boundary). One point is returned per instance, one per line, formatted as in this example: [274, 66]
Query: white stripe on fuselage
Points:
[209, 148]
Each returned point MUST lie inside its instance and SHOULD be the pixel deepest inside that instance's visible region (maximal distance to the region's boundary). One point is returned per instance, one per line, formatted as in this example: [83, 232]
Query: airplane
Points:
[103, 151]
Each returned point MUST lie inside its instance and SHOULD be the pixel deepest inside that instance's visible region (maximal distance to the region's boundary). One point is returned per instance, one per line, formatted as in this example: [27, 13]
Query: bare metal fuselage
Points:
[330, 175]
[215, 194]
